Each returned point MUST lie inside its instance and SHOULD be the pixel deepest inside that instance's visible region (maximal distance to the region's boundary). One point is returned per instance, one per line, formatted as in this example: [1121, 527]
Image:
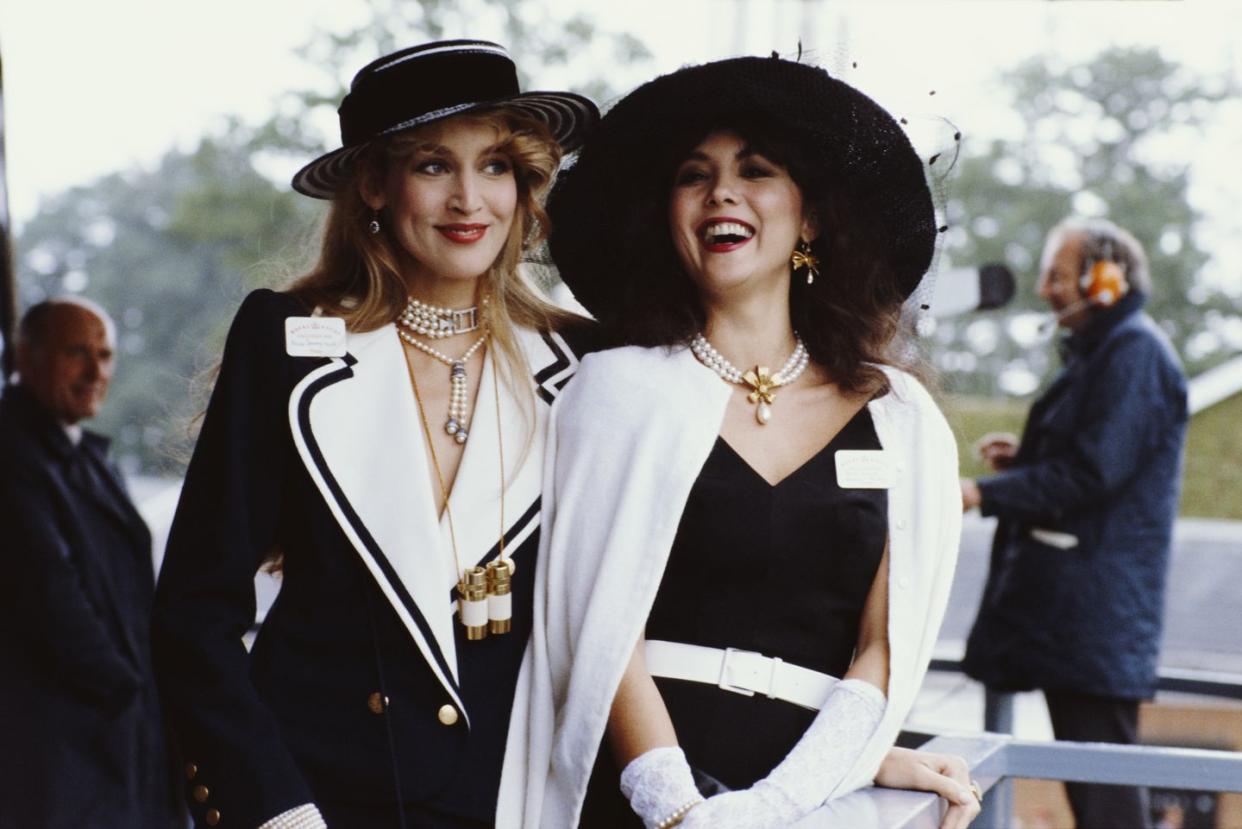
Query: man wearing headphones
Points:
[1086, 503]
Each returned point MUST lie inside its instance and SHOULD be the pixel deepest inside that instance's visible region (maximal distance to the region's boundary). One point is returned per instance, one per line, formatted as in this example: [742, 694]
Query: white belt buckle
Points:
[776, 666]
[722, 682]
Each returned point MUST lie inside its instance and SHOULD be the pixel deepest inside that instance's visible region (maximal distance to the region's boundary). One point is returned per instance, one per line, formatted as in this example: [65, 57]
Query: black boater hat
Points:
[430, 82]
[623, 175]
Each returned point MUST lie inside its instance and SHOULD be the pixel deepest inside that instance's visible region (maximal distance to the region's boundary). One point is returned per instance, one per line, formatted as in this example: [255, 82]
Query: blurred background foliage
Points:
[1094, 143]
[171, 251]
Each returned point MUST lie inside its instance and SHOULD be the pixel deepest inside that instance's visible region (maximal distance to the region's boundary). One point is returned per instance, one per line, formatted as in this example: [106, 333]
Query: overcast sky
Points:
[92, 87]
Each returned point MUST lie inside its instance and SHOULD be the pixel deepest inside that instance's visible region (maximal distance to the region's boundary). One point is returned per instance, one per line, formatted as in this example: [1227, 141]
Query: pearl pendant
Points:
[763, 413]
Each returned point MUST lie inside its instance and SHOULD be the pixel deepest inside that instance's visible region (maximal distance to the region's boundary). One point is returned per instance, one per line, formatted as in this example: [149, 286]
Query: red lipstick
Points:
[462, 234]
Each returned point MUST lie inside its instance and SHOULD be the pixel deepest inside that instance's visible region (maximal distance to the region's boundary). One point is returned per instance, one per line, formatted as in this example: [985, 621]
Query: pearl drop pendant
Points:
[455, 424]
[763, 413]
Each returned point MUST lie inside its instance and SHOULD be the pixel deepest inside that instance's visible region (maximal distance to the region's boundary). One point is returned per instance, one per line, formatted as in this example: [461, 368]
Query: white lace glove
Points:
[658, 784]
[808, 774]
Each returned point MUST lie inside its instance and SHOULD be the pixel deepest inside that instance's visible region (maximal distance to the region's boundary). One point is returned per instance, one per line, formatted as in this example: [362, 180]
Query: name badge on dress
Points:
[865, 469]
[315, 336]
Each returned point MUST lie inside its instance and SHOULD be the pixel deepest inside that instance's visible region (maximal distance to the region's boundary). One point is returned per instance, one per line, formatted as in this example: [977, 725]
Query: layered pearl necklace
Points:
[762, 383]
[436, 323]
[421, 319]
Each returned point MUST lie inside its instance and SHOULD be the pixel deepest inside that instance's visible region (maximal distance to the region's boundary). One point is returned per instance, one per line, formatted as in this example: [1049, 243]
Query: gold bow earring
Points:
[803, 258]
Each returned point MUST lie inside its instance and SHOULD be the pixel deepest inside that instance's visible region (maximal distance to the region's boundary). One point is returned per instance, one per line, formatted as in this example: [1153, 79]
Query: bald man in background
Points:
[83, 736]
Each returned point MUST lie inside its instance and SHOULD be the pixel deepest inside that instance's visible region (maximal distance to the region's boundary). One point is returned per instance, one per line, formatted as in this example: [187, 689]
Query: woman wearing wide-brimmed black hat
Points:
[376, 432]
[756, 516]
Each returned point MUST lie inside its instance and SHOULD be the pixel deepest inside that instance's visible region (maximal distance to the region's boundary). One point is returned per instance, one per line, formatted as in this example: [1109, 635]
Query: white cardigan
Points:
[627, 442]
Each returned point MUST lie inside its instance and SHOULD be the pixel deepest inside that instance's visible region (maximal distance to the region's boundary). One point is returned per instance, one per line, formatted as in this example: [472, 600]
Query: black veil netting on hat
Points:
[608, 211]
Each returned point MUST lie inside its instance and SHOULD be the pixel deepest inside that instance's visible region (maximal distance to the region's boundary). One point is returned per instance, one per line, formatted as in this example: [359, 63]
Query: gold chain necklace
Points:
[500, 572]
[484, 600]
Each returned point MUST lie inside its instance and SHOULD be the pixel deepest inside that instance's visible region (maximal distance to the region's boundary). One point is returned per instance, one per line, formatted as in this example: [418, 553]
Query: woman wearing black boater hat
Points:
[757, 512]
[376, 432]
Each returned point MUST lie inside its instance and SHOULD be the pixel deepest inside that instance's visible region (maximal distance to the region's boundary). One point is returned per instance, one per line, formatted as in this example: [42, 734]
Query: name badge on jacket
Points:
[865, 469]
[315, 336]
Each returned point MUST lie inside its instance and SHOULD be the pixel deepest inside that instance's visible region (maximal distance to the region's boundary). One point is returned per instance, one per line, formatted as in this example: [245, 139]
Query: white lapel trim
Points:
[356, 426]
[559, 363]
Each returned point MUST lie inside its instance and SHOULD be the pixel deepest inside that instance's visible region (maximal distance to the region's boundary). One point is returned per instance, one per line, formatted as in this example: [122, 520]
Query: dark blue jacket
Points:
[1075, 595]
[82, 740]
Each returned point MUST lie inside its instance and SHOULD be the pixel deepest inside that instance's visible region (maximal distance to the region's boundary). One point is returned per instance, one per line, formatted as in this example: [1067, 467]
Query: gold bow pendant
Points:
[763, 384]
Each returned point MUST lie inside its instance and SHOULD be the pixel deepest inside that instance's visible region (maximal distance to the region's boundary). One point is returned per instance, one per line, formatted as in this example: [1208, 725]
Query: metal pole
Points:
[997, 807]
[8, 281]
[997, 712]
[998, 719]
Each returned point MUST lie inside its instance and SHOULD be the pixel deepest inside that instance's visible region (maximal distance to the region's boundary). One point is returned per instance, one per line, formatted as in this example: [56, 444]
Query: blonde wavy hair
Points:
[358, 279]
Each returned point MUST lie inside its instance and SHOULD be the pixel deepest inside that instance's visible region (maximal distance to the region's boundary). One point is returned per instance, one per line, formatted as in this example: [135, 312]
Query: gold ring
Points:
[976, 791]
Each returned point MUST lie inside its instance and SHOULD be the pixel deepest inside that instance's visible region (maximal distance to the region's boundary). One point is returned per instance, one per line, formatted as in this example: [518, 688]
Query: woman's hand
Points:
[997, 450]
[944, 774]
[763, 806]
[971, 496]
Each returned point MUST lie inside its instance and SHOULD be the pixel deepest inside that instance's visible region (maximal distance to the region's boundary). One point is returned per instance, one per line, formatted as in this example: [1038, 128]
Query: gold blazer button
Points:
[201, 793]
[212, 817]
[377, 702]
[191, 771]
[447, 715]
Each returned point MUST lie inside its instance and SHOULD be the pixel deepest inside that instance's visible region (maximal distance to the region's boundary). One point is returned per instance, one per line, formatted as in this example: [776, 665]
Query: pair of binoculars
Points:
[485, 600]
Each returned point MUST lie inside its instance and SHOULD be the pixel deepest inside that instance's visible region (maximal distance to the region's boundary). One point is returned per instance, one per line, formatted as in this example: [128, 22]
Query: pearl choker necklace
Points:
[762, 383]
[436, 323]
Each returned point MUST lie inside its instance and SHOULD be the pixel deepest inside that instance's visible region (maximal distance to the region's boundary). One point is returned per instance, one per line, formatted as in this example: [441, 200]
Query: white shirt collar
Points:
[72, 431]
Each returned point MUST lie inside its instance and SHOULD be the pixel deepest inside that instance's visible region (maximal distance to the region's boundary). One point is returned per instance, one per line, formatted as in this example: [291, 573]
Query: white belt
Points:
[742, 672]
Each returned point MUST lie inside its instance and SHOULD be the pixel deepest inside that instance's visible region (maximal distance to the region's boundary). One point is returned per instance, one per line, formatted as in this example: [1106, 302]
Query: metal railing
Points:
[996, 759]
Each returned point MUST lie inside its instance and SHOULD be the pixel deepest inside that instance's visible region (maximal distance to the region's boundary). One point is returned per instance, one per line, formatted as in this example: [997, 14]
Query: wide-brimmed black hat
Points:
[430, 82]
[623, 175]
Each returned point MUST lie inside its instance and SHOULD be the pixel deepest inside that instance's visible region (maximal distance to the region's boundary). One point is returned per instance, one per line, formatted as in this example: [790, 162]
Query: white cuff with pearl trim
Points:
[305, 816]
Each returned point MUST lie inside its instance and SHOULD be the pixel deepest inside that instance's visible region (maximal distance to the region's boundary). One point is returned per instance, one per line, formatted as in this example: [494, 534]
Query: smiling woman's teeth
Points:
[720, 232]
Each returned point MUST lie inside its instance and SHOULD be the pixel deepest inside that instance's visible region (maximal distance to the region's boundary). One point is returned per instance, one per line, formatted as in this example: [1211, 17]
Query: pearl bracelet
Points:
[679, 815]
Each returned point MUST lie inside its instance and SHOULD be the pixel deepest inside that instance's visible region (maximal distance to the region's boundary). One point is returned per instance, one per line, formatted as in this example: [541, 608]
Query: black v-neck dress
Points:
[780, 569]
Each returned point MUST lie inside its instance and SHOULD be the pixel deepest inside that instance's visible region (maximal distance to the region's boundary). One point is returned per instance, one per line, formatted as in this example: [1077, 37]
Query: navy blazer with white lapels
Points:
[321, 462]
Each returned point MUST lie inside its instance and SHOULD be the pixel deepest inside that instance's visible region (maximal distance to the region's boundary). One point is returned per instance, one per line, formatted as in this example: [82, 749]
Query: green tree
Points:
[170, 253]
[1091, 145]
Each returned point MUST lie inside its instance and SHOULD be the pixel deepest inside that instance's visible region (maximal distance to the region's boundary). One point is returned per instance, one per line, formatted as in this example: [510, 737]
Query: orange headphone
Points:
[1104, 281]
